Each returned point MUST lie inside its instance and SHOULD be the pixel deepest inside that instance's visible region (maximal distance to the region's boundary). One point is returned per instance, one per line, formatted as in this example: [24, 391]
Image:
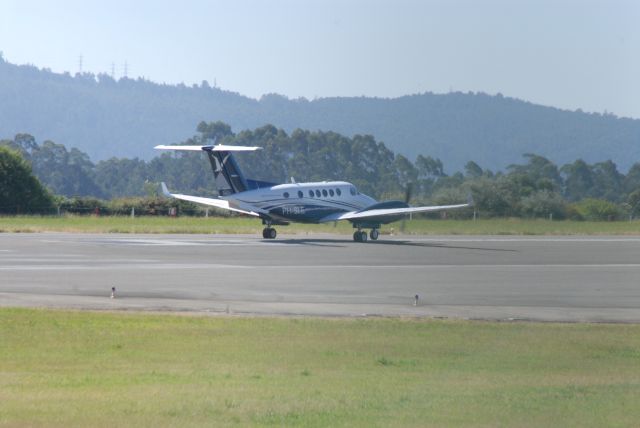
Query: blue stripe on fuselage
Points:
[304, 209]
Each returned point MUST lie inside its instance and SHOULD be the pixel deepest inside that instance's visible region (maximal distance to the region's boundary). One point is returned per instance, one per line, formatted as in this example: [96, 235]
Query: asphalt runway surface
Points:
[490, 277]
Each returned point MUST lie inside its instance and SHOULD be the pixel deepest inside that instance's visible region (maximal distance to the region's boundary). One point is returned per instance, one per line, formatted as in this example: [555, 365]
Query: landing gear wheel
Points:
[363, 236]
[374, 234]
[269, 233]
[356, 236]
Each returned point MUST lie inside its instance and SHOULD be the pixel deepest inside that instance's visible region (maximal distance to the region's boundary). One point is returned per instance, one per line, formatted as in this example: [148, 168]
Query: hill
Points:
[126, 118]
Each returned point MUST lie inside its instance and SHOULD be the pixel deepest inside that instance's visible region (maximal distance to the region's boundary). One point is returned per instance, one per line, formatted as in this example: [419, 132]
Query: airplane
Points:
[280, 204]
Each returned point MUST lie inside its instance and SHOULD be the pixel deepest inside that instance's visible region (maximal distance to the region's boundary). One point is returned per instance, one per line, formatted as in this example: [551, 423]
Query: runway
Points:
[490, 277]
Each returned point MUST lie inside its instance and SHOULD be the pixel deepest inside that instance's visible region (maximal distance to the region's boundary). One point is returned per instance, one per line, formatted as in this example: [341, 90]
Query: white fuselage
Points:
[303, 202]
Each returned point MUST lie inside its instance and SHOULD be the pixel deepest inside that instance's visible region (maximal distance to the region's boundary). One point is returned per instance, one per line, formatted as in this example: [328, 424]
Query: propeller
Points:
[407, 197]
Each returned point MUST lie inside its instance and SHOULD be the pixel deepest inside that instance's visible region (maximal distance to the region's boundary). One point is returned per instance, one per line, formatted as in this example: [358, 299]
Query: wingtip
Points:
[470, 200]
[165, 190]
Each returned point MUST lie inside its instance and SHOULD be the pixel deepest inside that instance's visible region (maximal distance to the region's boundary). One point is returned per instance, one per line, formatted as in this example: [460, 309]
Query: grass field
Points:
[226, 225]
[61, 368]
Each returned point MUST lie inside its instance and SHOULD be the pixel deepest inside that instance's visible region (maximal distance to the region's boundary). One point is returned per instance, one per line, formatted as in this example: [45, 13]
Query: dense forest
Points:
[104, 117]
[534, 187]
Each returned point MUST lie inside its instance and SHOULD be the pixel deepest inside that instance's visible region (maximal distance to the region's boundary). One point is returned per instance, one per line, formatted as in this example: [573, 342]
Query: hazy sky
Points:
[569, 54]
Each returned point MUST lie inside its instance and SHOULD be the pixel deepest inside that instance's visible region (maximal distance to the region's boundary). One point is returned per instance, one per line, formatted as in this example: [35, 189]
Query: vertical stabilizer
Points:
[227, 173]
[229, 178]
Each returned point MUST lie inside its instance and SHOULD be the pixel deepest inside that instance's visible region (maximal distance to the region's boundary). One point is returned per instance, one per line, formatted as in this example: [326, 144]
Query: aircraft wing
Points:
[383, 212]
[218, 203]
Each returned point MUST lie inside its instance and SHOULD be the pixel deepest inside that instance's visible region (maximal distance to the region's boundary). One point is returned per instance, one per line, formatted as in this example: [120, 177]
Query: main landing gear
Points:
[361, 235]
[269, 233]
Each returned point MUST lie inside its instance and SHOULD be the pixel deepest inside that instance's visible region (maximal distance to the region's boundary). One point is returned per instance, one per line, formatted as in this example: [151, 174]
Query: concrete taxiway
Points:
[534, 278]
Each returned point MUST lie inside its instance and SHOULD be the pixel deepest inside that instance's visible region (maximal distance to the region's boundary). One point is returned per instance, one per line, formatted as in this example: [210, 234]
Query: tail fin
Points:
[229, 178]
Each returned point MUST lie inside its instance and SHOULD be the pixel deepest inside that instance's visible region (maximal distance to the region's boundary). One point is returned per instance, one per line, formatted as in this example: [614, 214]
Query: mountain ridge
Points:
[126, 118]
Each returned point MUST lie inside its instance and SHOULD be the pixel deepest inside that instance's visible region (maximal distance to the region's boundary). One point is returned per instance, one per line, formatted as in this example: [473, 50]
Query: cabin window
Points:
[317, 193]
[311, 193]
[286, 194]
[352, 190]
[338, 192]
[300, 194]
[324, 192]
[331, 192]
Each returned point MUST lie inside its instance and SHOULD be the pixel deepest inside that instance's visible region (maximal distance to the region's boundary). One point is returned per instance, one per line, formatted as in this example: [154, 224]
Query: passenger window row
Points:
[324, 192]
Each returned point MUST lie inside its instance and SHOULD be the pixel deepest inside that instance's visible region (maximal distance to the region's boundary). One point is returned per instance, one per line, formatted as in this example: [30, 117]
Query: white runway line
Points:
[519, 239]
[194, 266]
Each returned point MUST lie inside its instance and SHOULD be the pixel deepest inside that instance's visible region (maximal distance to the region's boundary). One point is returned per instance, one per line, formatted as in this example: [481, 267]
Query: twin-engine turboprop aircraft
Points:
[279, 204]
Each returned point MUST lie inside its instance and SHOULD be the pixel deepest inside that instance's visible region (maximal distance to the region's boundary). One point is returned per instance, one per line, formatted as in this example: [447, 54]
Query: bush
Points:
[542, 204]
[154, 206]
[597, 210]
[84, 205]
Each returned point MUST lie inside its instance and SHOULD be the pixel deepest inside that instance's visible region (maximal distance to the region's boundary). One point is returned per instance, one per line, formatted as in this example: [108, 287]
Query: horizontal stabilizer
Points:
[211, 148]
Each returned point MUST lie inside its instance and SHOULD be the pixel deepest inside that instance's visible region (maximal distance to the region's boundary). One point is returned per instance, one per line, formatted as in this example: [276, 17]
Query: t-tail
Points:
[226, 172]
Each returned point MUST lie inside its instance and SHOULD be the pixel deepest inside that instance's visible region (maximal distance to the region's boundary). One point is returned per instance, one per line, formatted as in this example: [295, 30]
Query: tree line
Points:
[534, 188]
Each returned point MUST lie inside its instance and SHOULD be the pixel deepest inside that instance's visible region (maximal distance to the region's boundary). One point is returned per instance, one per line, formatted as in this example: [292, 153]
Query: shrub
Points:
[542, 204]
[597, 210]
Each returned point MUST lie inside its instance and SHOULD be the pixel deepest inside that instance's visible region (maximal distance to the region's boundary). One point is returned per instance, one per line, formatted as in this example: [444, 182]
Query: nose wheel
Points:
[269, 233]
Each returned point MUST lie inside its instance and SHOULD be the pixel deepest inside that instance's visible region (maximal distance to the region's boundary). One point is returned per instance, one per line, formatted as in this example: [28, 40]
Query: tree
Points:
[472, 170]
[607, 181]
[631, 181]
[430, 170]
[406, 172]
[20, 190]
[69, 173]
[541, 171]
[214, 130]
[490, 198]
[578, 182]
[542, 204]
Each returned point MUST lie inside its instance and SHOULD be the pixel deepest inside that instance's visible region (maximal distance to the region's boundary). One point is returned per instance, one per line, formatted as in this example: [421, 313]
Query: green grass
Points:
[60, 368]
[225, 225]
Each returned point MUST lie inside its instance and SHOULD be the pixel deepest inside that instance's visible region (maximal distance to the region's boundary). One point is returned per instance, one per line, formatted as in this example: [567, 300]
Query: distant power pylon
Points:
[126, 69]
[80, 64]
[113, 70]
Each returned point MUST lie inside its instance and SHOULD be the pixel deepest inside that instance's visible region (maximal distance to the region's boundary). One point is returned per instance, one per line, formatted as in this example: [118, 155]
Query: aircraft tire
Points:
[264, 233]
[272, 233]
[374, 234]
[363, 236]
[356, 236]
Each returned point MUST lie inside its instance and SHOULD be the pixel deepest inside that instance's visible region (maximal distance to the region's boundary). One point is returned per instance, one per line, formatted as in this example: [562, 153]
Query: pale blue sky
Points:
[568, 54]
